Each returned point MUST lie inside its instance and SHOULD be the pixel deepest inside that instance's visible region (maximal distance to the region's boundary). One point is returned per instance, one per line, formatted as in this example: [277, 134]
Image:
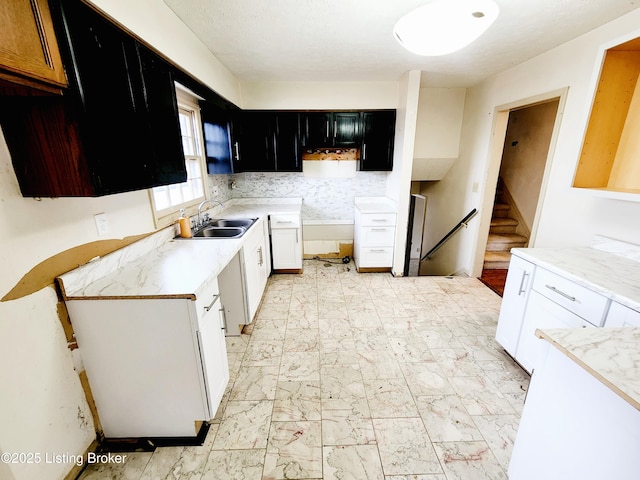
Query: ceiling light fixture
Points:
[445, 26]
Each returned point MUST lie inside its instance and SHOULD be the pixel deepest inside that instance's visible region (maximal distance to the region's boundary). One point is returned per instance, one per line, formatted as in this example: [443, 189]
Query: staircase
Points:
[502, 234]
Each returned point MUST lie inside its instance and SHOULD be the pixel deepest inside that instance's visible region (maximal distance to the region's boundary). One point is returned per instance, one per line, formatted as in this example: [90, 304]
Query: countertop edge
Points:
[588, 368]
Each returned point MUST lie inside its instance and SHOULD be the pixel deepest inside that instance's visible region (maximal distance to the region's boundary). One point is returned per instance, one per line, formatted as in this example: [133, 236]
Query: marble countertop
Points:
[612, 355]
[615, 276]
[375, 205]
[162, 266]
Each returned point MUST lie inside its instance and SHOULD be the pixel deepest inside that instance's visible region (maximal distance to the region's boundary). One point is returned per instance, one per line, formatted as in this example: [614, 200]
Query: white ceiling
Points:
[352, 40]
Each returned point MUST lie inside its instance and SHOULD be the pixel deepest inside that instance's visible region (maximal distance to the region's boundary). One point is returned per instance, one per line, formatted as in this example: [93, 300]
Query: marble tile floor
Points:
[357, 376]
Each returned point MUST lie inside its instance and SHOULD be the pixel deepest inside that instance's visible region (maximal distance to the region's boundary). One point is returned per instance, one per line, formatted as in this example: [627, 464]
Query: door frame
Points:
[496, 149]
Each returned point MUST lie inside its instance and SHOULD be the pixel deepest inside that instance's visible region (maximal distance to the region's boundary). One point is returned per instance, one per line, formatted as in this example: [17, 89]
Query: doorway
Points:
[523, 144]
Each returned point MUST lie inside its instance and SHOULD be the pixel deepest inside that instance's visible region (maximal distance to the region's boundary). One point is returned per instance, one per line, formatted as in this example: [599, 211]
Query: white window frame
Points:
[187, 101]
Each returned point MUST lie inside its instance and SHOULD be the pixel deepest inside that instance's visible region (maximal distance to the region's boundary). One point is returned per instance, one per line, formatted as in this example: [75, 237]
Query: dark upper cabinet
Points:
[216, 130]
[267, 141]
[330, 129]
[378, 131]
[287, 142]
[115, 128]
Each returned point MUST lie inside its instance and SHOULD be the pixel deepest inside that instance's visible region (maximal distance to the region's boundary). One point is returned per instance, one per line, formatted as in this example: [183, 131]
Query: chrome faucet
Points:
[203, 203]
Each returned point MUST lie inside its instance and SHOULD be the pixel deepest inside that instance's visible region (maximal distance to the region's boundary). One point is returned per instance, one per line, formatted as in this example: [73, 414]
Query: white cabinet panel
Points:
[256, 260]
[542, 313]
[514, 302]
[142, 358]
[213, 352]
[622, 316]
[286, 242]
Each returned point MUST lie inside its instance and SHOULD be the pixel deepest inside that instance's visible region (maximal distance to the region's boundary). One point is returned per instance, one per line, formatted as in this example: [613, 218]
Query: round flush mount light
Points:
[445, 26]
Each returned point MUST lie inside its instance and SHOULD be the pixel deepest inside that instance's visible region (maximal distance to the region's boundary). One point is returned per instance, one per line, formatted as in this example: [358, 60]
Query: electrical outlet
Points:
[215, 192]
[102, 224]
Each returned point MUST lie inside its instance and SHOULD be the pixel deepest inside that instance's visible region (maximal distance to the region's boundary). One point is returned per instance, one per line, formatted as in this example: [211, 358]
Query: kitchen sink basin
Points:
[232, 222]
[224, 228]
[220, 232]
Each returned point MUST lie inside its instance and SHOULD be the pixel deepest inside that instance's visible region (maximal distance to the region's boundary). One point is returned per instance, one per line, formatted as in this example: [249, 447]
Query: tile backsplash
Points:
[325, 200]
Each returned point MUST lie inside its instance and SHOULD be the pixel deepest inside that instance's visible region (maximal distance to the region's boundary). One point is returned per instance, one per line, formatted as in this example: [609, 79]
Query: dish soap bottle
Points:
[185, 225]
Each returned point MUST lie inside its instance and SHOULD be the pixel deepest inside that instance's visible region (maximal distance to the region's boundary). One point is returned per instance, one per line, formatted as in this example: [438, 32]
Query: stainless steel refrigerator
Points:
[415, 231]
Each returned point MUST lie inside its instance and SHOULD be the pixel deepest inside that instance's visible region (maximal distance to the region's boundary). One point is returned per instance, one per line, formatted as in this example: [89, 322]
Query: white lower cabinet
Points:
[621, 316]
[257, 266]
[534, 298]
[514, 303]
[542, 313]
[286, 242]
[156, 367]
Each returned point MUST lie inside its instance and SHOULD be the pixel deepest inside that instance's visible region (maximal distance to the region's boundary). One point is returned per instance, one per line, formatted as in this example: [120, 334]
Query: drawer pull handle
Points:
[215, 299]
[523, 285]
[284, 221]
[378, 229]
[224, 319]
[377, 251]
[379, 220]
[561, 293]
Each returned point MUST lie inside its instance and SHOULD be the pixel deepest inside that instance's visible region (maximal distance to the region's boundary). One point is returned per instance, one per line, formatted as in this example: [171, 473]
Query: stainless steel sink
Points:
[224, 228]
[220, 232]
[232, 222]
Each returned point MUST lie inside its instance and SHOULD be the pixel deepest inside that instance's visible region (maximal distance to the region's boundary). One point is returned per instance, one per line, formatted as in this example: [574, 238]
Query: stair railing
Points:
[452, 232]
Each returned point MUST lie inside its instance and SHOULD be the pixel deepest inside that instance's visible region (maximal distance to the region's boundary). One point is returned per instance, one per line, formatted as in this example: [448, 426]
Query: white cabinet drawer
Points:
[621, 316]
[378, 219]
[284, 221]
[377, 257]
[378, 236]
[577, 299]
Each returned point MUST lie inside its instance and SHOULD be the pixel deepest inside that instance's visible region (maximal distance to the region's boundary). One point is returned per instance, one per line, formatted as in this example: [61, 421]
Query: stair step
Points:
[496, 260]
[503, 225]
[505, 241]
[501, 210]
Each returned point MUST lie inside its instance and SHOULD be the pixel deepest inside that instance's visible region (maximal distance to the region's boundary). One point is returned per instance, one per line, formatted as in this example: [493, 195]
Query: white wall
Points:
[568, 217]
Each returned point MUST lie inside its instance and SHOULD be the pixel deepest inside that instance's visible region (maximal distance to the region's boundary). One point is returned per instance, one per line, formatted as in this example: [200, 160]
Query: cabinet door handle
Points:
[335, 129]
[561, 293]
[260, 259]
[327, 128]
[523, 286]
[364, 151]
[215, 299]
[224, 319]
[237, 155]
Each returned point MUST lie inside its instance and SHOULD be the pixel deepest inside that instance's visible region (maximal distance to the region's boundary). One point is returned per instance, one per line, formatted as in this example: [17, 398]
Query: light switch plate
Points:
[102, 224]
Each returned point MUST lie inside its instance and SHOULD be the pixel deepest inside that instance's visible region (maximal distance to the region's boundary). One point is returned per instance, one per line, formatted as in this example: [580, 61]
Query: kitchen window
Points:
[169, 199]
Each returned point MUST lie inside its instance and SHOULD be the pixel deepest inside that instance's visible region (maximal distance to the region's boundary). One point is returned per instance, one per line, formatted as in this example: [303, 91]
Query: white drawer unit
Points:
[621, 316]
[374, 239]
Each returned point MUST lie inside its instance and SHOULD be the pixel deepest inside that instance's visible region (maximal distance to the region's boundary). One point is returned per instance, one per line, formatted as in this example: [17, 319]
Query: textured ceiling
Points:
[352, 40]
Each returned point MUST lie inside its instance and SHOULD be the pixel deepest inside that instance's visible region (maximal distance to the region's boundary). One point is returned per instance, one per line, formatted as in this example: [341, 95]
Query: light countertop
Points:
[375, 205]
[613, 275]
[161, 266]
[612, 355]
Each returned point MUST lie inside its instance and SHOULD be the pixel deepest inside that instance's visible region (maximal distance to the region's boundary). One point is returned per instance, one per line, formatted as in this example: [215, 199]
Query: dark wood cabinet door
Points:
[256, 137]
[29, 55]
[378, 130]
[346, 129]
[315, 129]
[287, 143]
[216, 130]
[162, 133]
